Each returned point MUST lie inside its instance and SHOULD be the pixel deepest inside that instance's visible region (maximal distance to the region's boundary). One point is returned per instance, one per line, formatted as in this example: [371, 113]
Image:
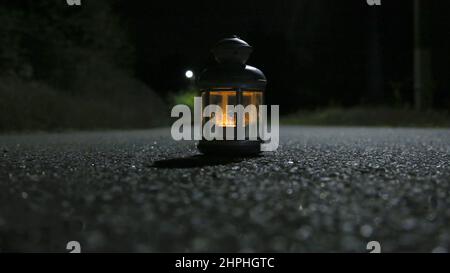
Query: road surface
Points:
[324, 190]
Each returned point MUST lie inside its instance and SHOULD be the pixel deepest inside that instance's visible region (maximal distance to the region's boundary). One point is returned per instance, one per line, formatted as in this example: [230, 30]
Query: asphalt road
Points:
[324, 190]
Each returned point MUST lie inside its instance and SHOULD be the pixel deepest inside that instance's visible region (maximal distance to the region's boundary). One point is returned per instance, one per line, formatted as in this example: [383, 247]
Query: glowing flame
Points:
[228, 117]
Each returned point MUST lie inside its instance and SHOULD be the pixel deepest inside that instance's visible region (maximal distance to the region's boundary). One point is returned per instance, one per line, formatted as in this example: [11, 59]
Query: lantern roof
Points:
[232, 50]
[231, 70]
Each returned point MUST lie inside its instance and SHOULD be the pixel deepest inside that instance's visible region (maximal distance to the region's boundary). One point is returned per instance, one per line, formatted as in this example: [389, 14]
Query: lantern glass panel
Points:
[252, 98]
[223, 99]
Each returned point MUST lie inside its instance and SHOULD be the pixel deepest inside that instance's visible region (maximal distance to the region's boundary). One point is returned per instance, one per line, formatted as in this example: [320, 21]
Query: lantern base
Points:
[230, 147]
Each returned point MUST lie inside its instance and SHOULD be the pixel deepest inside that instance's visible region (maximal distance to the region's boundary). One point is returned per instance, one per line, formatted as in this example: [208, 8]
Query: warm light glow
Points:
[227, 120]
[222, 99]
[189, 74]
[225, 98]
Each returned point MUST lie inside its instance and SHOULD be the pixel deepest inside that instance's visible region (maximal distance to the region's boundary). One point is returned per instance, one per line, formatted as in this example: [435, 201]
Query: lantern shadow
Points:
[197, 161]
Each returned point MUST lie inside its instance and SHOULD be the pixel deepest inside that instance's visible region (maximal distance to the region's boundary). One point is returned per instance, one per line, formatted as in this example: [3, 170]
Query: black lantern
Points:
[232, 82]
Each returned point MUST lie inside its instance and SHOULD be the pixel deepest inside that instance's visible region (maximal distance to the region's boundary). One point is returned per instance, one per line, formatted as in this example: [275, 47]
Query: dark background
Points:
[119, 64]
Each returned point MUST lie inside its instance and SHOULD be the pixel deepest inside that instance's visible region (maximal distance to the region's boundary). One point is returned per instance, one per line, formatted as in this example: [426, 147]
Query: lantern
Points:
[230, 82]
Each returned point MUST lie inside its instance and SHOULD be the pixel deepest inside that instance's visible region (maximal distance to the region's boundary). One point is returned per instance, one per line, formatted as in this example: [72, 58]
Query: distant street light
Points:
[189, 74]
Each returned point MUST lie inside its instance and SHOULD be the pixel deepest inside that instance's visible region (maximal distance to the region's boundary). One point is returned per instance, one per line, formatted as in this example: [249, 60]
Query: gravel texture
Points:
[324, 190]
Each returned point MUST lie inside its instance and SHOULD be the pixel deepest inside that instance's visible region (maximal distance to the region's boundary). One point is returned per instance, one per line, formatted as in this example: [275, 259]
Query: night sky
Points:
[315, 53]
[346, 51]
